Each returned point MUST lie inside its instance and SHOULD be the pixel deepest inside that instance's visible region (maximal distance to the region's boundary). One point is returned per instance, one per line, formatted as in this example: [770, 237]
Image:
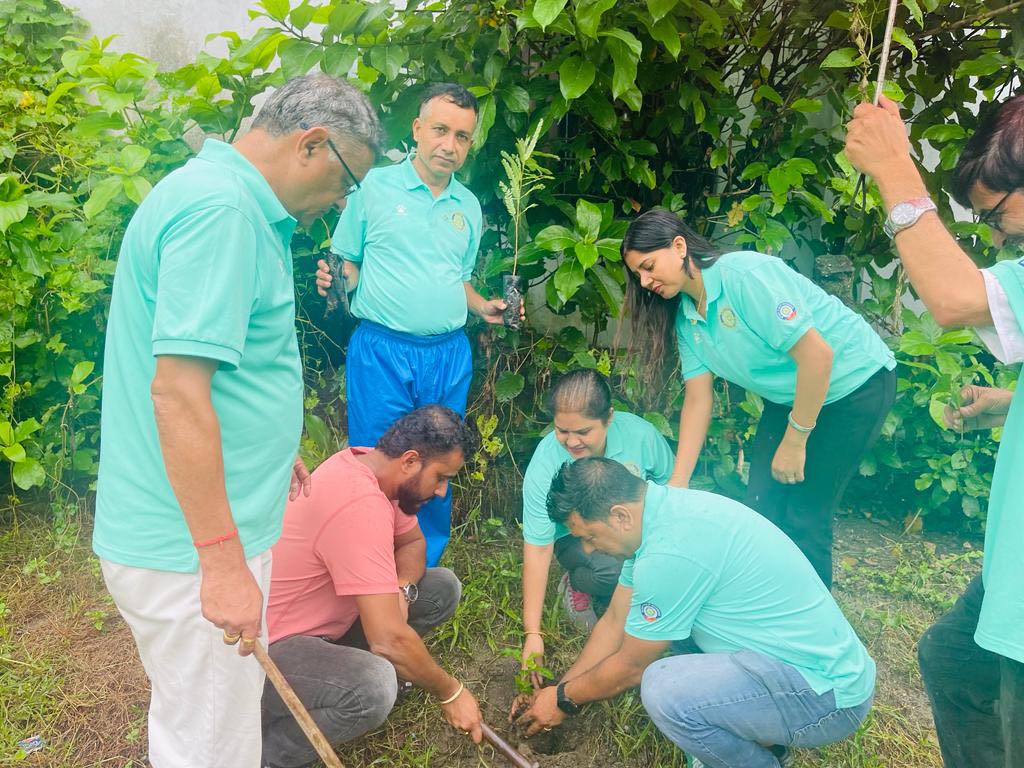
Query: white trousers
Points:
[204, 710]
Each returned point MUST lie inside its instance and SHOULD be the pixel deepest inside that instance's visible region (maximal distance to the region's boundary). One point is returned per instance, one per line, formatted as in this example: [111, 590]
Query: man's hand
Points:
[302, 480]
[980, 408]
[230, 598]
[788, 462]
[543, 714]
[349, 271]
[490, 311]
[533, 648]
[464, 714]
[876, 139]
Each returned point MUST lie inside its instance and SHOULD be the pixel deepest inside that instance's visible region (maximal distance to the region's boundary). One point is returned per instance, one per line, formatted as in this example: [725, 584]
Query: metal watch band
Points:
[906, 214]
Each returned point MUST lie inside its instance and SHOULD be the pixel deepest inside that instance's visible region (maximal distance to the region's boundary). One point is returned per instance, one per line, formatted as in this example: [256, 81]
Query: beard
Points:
[409, 500]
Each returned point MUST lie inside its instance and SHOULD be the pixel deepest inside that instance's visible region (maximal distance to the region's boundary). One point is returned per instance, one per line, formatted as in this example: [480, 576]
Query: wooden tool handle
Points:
[310, 728]
[516, 758]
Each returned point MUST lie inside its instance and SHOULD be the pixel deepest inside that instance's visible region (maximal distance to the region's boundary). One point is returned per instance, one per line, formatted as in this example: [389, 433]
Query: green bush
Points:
[729, 112]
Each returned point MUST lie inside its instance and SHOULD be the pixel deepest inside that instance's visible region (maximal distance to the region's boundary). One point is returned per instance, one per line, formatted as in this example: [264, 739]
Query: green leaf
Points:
[944, 132]
[28, 474]
[588, 16]
[388, 59]
[136, 188]
[915, 11]
[754, 171]
[516, 98]
[806, 105]
[302, 15]
[609, 289]
[801, 165]
[588, 220]
[767, 93]
[338, 59]
[298, 57]
[568, 278]
[26, 428]
[133, 158]
[14, 453]
[982, 66]
[840, 58]
[575, 77]
[667, 33]
[586, 254]
[508, 386]
[659, 8]
[318, 433]
[555, 238]
[625, 52]
[276, 9]
[660, 423]
[344, 17]
[488, 110]
[903, 39]
[105, 191]
[82, 371]
[546, 11]
[13, 205]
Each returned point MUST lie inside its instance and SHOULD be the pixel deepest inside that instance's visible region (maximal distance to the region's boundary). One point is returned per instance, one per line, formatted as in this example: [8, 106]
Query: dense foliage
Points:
[728, 111]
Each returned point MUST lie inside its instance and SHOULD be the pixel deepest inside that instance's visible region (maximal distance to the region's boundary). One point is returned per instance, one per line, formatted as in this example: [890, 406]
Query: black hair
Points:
[995, 153]
[582, 391]
[590, 487]
[653, 318]
[431, 431]
[452, 92]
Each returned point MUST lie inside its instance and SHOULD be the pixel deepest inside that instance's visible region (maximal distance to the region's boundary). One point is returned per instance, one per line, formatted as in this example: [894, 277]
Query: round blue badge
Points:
[650, 612]
[785, 311]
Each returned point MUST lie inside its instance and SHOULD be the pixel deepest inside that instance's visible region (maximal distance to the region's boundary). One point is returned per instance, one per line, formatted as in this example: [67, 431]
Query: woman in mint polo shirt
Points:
[585, 424]
[826, 378]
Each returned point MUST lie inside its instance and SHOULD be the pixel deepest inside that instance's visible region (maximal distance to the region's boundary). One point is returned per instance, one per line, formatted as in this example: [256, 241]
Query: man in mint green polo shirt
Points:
[202, 409]
[972, 659]
[409, 241]
[780, 665]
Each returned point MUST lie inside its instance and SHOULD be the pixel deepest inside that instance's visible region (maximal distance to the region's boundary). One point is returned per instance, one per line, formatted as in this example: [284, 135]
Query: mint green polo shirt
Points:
[1001, 624]
[205, 270]
[710, 568]
[631, 441]
[415, 251]
[757, 309]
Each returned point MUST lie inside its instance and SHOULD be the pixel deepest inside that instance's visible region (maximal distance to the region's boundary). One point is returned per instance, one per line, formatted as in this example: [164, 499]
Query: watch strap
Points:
[920, 205]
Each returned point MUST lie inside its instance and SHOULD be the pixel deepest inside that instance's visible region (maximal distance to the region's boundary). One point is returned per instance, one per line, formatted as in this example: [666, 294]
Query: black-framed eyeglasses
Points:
[355, 182]
[993, 217]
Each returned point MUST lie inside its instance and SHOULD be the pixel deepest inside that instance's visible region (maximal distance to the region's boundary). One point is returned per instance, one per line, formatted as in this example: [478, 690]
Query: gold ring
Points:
[249, 641]
[547, 729]
[231, 639]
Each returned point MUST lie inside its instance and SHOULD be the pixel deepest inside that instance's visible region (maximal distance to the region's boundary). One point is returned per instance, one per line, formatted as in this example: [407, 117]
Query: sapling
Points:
[525, 176]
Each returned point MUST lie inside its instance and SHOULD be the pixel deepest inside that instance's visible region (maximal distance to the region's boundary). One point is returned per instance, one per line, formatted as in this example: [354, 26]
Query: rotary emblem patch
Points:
[785, 311]
[458, 221]
[650, 612]
[727, 317]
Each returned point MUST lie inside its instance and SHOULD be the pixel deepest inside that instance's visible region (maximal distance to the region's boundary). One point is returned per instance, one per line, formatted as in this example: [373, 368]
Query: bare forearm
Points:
[694, 420]
[813, 373]
[474, 300]
[536, 565]
[410, 561]
[412, 661]
[948, 282]
[608, 678]
[605, 640]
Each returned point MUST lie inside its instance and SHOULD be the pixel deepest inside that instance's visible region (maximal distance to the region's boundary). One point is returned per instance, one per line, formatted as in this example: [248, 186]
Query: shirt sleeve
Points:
[772, 303]
[659, 457]
[668, 594]
[349, 236]
[358, 549]
[470, 256]
[1004, 338]
[207, 285]
[691, 362]
[626, 574]
[537, 526]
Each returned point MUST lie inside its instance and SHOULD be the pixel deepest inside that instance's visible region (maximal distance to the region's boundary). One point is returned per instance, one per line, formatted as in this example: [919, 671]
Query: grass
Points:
[68, 669]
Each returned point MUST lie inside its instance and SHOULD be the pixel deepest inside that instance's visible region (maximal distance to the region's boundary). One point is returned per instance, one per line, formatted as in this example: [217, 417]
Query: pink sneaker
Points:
[577, 605]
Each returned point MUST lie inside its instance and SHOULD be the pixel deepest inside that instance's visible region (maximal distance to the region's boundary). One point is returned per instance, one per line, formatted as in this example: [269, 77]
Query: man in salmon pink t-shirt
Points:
[350, 595]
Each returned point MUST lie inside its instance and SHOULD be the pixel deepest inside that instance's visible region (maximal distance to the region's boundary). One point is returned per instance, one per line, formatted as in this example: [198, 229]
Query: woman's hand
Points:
[790, 457]
[533, 649]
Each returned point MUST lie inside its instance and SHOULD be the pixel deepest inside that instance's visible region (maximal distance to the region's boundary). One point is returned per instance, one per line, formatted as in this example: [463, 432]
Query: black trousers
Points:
[597, 574]
[977, 696]
[846, 429]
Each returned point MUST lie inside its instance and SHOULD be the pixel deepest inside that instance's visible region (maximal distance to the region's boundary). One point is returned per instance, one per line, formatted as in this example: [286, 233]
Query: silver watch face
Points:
[903, 214]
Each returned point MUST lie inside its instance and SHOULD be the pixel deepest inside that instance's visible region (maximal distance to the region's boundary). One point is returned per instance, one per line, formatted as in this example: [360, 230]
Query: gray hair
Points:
[324, 101]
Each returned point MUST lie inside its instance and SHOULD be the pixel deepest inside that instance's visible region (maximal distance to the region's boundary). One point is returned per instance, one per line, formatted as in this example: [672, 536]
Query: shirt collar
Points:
[713, 289]
[613, 445]
[412, 181]
[223, 154]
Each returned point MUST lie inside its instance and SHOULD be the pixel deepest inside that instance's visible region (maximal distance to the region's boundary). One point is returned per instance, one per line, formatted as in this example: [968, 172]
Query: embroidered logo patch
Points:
[650, 612]
[458, 221]
[399, 210]
[728, 318]
[785, 311]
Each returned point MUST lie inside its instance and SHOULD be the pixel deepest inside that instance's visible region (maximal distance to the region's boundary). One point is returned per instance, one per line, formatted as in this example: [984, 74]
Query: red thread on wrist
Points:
[216, 540]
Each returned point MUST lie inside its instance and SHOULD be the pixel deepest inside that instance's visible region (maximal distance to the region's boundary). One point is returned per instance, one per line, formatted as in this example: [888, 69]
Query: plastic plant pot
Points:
[512, 293]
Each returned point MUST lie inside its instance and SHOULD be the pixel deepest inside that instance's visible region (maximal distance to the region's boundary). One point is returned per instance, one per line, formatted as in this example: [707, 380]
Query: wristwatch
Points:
[905, 215]
[410, 591]
[567, 705]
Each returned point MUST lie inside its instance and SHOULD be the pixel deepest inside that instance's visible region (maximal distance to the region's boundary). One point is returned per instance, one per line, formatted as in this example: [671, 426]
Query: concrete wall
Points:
[171, 32]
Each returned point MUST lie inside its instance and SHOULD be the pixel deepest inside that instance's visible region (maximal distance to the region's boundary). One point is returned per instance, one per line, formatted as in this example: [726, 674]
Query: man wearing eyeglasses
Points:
[202, 410]
[972, 659]
[409, 240]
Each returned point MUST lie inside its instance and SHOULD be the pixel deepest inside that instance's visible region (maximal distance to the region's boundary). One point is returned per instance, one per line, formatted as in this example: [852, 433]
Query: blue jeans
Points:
[727, 708]
[388, 374]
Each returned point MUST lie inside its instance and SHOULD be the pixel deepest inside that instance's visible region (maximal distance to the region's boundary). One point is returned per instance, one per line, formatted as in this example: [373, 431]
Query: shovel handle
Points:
[516, 758]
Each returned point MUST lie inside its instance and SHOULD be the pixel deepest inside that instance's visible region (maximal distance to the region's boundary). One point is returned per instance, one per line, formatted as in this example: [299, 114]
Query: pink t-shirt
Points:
[335, 544]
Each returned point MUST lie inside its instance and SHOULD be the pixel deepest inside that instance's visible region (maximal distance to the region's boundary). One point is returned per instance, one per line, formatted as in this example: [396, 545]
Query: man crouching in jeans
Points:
[350, 595]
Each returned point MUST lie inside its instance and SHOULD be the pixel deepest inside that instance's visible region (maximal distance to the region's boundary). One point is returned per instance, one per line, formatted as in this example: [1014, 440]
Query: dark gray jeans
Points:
[596, 573]
[977, 696]
[346, 689]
